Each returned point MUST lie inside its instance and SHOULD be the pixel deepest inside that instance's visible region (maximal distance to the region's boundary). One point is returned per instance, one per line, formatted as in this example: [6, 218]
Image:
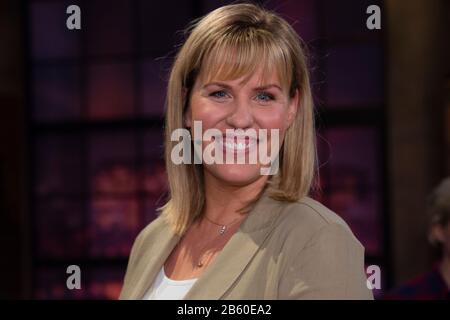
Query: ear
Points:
[293, 108]
[187, 110]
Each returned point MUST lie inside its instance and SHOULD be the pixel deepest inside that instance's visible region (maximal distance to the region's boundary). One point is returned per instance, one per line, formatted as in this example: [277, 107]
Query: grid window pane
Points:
[109, 25]
[153, 147]
[60, 228]
[301, 15]
[155, 178]
[115, 179]
[50, 37]
[153, 88]
[360, 210]
[162, 28]
[112, 162]
[110, 91]
[154, 183]
[354, 76]
[51, 284]
[59, 165]
[56, 93]
[114, 224]
[347, 18]
[155, 187]
[351, 182]
[106, 282]
[355, 148]
[114, 207]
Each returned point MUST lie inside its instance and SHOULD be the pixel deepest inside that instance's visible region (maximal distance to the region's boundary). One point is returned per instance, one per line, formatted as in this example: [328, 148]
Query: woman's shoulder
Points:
[322, 259]
[313, 212]
[156, 228]
[308, 219]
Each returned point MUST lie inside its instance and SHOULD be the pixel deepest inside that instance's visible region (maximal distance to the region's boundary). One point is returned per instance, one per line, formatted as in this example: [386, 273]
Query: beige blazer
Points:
[282, 250]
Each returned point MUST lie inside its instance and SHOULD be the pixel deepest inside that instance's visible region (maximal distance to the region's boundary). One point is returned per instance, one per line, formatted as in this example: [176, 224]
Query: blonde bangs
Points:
[232, 56]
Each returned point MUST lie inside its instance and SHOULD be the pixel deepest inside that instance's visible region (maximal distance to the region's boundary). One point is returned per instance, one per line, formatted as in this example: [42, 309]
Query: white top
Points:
[165, 288]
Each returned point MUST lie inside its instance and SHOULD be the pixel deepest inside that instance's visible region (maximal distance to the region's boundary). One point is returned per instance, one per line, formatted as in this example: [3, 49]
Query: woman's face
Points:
[243, 103]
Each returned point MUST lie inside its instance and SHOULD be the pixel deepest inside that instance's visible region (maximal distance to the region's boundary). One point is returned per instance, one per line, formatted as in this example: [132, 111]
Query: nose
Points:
[241, 116]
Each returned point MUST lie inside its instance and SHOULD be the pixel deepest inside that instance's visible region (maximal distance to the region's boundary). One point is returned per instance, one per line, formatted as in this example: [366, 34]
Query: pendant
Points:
[222, 229]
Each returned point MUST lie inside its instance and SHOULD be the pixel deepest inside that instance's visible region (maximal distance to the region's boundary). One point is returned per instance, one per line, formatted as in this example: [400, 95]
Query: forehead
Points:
[257, 78]
[254, 64]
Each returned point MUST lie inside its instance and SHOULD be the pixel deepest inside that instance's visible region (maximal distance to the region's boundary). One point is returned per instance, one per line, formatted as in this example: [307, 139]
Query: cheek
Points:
[276, 118]
[272, 117]
[206, 112]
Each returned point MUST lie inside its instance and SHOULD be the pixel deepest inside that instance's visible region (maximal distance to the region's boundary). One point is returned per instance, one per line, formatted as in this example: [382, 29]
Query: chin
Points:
[236, 174]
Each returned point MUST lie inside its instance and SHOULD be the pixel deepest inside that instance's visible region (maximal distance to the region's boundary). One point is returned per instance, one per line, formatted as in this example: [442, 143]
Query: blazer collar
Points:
[220, 274]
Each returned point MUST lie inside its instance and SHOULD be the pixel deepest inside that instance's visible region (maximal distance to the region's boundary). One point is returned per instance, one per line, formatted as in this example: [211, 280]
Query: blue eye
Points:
[264, 96]
[218, 94]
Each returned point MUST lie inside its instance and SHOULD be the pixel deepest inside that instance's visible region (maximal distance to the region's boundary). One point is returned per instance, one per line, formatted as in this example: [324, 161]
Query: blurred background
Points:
[81, 114]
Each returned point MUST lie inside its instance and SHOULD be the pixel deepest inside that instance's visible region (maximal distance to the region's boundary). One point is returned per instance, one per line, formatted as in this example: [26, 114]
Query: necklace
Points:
[223, 227]
[222, 230]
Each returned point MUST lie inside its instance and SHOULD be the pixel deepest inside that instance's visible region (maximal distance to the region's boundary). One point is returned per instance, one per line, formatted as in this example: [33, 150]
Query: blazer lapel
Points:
[154, 257]
[238, 252]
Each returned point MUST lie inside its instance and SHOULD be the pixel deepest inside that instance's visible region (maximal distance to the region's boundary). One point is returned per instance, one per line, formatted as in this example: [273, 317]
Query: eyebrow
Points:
[226, 86]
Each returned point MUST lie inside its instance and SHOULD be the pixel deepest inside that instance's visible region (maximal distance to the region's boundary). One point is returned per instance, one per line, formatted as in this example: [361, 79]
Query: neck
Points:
[445, 269]
[223, 201]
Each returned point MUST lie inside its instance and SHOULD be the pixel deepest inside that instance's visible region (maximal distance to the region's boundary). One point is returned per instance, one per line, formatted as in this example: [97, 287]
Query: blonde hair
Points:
[224, 44]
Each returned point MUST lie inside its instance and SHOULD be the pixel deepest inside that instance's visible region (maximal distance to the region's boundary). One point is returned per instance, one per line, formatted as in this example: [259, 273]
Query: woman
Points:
[228, 231]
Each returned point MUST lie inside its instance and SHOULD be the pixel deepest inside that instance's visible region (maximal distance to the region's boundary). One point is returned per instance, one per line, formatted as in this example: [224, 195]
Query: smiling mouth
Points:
[237, 144]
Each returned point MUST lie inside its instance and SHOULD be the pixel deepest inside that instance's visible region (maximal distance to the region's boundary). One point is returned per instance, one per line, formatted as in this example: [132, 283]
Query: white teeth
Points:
[236, 146]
